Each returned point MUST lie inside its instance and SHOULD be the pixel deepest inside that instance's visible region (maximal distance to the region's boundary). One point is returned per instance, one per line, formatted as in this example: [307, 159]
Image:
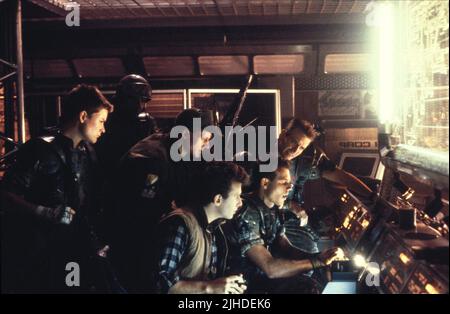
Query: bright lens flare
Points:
[340, 255]
[385, 18]
[381, 19]
[359, 261]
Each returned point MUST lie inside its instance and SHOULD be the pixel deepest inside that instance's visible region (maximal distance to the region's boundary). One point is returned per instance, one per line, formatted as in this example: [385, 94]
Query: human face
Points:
[277, 190]
[291, 144]
[93, 126]
[228, 206]
[200, 141]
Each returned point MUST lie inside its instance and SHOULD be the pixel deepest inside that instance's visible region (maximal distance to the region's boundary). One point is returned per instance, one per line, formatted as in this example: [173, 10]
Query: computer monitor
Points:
[360, 164]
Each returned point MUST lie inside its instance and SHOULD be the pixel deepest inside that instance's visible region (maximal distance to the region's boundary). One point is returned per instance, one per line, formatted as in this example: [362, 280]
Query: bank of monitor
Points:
[361, 164]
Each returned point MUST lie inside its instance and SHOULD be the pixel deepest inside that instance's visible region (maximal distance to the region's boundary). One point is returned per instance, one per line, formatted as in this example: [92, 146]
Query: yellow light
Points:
[430, 289]
[346, 222]
[340, 255]
[350, 214]
[404, 258]
[365, 223]
[359, 261]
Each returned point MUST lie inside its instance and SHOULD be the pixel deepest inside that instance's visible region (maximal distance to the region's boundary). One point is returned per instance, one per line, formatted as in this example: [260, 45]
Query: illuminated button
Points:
[346, 223]
[430, 289]
[404, 258]
[365, 223]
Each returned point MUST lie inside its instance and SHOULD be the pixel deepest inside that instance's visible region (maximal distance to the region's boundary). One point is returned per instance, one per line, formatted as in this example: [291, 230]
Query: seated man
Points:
[193, 248]
[259, 232]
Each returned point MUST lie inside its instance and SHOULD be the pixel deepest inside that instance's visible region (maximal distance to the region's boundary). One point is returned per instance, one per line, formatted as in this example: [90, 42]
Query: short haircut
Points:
[303, 126]
[186, 118]
[83, 98]
[216, 178]
[257, 174]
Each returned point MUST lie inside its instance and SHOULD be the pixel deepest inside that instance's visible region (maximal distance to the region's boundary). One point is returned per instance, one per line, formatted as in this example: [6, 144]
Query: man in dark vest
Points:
[49, 203]
[193, 249]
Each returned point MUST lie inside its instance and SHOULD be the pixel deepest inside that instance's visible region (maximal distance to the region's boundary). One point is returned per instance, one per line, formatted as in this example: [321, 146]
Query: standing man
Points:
[128, 124]
[193, 249]
[49, 202]
[308, 162]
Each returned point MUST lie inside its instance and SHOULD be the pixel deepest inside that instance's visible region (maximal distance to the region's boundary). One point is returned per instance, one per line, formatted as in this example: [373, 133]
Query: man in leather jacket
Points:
[49, 202]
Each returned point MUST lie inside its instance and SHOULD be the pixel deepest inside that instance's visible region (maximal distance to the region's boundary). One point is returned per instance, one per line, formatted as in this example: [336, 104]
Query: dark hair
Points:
[257, 174]
[186, 118]
[216, 178]
[304, 126]
[83, 98]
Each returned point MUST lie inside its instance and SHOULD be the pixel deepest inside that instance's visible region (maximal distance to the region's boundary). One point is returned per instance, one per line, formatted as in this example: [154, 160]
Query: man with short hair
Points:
[49, 201]
[272, 263]
[146, 183]
[193, 248]
[308, 163]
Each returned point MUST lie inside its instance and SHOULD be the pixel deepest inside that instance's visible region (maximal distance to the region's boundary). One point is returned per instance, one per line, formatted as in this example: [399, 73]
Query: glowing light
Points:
[365, 223]
[408, 194]
[381, 17]
[430, 289]
[404, 258]
[346, 222]
[359, 261]
[340, 255]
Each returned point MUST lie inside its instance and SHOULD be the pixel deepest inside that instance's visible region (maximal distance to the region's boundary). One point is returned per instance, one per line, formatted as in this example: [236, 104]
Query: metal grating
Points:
[49, 69]
[347, 63]
[336, 81]
[107, 9]
[96, 67]
[169, 66]
[278, 64]
[223, 65]
[166, 104]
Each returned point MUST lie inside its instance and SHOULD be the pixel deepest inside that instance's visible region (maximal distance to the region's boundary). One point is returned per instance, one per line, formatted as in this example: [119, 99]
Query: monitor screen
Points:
[360, 164]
